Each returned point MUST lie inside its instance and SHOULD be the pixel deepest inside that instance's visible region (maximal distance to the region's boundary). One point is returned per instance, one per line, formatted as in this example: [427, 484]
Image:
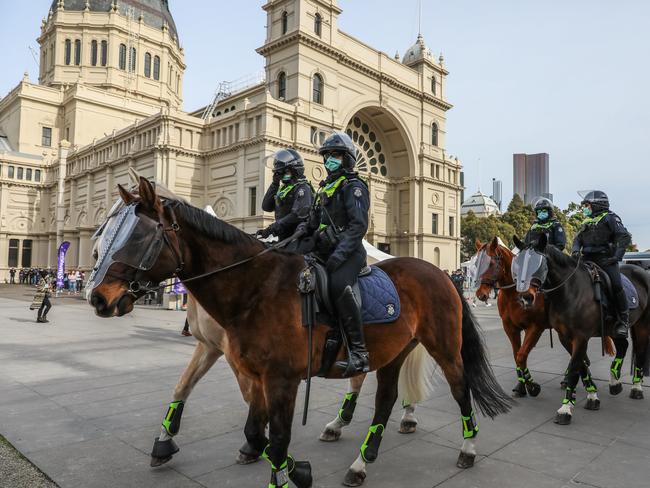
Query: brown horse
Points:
[251, 292]
[495, 261]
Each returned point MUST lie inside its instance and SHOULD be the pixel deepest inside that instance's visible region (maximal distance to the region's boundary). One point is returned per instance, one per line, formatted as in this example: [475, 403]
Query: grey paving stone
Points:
[618, 466]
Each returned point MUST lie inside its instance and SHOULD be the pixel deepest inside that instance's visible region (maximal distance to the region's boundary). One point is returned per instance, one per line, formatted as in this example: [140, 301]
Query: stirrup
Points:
[621, 330]
[350, 369]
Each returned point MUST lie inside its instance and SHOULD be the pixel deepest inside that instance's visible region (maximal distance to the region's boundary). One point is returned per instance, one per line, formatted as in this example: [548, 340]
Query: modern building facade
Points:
[109, 98]
[497, 192]
[531, 176]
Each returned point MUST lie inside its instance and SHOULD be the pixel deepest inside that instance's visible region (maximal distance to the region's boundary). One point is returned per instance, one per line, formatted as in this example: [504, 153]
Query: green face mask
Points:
[586, 211]
[286, 178]
[333, 164]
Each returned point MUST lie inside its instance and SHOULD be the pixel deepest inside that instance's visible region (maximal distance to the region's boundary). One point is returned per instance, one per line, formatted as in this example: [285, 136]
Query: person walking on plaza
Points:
[186, 329]
[44, 288]
[12, 276]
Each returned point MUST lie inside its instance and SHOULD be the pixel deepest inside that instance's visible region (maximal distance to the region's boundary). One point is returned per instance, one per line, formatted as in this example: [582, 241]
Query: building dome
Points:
[480, 204]
[155, 13]
[417, 52]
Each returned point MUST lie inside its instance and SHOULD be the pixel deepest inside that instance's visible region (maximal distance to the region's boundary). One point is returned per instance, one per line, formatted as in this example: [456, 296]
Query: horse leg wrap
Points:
[616, 367]
[636, 392]
[531, 387]
[370, 447]
[172, 420]
[588, 383]
[569, 396]
[470, 427]
[347, 409]
[279, 477]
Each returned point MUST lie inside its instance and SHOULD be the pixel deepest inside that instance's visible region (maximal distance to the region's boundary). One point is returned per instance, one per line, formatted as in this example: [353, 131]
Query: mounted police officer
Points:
[546, 223]
[290, 195]
[338, 223]
[602, 239]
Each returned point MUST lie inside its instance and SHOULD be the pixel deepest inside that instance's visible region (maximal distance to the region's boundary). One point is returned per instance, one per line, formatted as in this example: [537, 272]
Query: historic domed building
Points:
[480, 204]
[109, 98]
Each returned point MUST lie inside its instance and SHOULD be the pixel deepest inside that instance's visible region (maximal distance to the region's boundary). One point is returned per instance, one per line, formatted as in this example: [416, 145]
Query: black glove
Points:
[264, 233]
[333, 263]
[277, 177]
[608, 261]
[302, 229]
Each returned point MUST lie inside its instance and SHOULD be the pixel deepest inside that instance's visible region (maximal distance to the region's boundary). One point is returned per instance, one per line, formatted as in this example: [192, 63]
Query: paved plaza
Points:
[82, 398]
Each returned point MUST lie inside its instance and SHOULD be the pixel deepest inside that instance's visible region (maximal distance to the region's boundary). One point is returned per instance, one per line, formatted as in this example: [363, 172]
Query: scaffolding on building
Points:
[228, 88]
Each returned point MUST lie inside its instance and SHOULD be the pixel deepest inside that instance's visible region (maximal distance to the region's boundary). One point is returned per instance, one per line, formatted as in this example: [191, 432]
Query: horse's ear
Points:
[148, 195]
[520, 245]
[494, 244]
[126, 196]
[478, 244]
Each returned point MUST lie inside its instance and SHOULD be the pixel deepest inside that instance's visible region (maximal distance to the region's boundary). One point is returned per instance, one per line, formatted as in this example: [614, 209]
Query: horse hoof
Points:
[301, 474]
[562, 419]
[615, 389]
[465, 460]
[533, 389]
[244, 459]
[354, 478]
[636, 394]
[519, 391]
[592, 404]
[407, 427]
[329, 435]
[162, 452]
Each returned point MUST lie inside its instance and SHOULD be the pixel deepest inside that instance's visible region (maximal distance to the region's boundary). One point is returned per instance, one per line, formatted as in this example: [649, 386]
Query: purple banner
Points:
[178, 287]
[60, 269]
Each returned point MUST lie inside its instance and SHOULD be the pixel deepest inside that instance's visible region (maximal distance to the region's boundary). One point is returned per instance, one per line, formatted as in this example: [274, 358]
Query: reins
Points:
[549, 290]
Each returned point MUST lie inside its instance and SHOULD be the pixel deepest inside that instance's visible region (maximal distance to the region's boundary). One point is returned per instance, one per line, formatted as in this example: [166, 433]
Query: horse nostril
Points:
[98, 301]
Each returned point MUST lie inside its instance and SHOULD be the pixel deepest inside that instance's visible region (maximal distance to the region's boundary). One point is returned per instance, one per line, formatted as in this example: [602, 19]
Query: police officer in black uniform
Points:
[546, 223]
[338, 223]
[290, 195]
[602, 239]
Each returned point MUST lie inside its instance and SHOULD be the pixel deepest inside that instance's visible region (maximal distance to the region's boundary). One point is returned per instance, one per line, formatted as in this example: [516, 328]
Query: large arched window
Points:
[147, 65]
[318, 25]
[318, 89]
[68, 52]
[282, 85]
[104, 56]
[433, 85]
[434, 134]
[77, 52]
[285, 22]
[156, 68]
[122, 56]
[93, 53]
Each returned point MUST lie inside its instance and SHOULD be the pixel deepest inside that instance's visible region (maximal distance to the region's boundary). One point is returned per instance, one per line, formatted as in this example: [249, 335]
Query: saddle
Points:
[374, 290]
[603, 289]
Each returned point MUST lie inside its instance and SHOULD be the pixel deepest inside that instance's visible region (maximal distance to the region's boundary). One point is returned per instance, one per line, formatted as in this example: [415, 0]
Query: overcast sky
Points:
[571, 78]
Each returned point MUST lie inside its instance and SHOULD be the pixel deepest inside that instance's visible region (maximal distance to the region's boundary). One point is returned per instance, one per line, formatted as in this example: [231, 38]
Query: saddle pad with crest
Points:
[630, 291]
[379, 298]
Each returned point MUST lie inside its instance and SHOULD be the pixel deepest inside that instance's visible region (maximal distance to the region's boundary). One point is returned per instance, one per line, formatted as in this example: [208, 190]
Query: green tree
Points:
[519, 215]
[483, 229]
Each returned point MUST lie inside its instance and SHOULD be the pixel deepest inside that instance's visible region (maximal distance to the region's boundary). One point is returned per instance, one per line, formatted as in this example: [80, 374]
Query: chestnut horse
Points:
[495, 263]
[250, 290]
[573, 311]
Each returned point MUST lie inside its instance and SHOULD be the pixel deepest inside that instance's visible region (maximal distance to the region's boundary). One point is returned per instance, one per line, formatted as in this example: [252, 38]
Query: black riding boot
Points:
[623, 323]
[350, 317]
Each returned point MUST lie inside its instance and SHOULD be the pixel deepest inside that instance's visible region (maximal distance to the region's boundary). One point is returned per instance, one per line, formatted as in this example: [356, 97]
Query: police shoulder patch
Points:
[560, 229]
[358, 193]
[301, 192]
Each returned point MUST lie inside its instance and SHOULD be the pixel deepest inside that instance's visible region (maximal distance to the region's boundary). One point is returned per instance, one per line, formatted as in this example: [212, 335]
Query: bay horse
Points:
[251, 291]
[494, 263]
[573, 311]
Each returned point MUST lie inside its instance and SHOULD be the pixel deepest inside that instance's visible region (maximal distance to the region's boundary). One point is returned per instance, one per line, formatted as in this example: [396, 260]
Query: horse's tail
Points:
[416, 376]
[609, 346]
[488, 395]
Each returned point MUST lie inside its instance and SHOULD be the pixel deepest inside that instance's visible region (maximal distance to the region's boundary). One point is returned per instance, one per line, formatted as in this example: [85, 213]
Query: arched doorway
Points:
[384, 161]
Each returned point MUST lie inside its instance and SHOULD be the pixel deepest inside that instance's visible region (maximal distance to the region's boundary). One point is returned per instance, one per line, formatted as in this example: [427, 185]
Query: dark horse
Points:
[252, 293]
[494, 263]
[573, 311]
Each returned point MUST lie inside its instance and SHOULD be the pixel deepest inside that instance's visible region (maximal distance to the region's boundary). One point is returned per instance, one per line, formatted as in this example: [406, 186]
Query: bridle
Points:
[493, 281]
[139, 288]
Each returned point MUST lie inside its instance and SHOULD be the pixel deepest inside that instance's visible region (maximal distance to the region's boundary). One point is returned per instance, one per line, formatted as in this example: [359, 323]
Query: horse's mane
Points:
[209, 225]
[559, 257]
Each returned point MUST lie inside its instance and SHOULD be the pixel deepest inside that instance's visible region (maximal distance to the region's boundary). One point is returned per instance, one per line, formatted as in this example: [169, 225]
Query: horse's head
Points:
[491, 267]
[134, 251]
[530, 269]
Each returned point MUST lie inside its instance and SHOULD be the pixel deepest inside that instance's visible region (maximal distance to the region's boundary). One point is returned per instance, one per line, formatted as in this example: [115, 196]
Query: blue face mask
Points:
[542, 214]
[332, 164]
[286, 178]
[586, 211]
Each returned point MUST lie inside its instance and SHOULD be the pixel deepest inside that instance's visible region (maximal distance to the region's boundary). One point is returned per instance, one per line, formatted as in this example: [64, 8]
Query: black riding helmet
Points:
[597, 199]
[289, 159]
[340, 142]
[544, 204]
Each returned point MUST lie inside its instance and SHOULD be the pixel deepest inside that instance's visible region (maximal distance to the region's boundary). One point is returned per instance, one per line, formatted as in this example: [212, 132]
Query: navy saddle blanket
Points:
[379, 299]
[630, 291]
